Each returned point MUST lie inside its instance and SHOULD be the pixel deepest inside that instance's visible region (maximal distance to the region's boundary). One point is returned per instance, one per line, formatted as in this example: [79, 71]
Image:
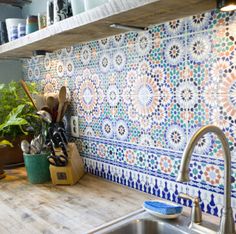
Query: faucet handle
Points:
[196, 213]
[187, 197]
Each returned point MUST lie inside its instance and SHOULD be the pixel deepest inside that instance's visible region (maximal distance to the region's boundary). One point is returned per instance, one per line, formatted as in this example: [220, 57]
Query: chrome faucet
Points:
[227, 221]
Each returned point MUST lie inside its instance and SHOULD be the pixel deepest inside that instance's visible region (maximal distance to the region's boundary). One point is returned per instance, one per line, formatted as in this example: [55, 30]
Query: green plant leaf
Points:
[12, 95]
[12, 118]
[2, 86]
[5, 142]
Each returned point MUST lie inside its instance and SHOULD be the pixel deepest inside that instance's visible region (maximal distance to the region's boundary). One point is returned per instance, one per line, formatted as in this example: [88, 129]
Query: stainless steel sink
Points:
[139, 226]
[141, 222]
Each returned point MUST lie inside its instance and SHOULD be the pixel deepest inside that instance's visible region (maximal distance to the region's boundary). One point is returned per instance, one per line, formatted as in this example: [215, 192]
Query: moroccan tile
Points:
[175, 136]
[139, 97]
[119, 40]
[157, 31]
[221, 19]
[213, 175]
[82, 126]
[227, 84]
[199, 22]
[175, 27]
[200, 48]
[174, 52]
[84, 147]
[169, 29]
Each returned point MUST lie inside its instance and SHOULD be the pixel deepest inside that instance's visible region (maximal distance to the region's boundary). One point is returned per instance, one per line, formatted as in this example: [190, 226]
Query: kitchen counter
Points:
[46, 208]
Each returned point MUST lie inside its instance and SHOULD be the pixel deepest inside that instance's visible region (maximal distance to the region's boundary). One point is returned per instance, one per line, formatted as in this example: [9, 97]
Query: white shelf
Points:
[95, 24]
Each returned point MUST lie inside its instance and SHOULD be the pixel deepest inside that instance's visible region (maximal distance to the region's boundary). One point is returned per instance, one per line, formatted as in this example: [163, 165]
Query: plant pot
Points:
[37, 167]
[13, 156]
[2, 158]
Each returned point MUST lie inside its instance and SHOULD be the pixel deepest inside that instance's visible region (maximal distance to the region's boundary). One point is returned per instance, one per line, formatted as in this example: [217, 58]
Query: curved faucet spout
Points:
[227, 221]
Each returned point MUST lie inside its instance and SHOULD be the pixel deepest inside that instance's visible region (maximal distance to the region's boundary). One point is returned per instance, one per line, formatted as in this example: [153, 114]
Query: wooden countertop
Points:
[46, 208]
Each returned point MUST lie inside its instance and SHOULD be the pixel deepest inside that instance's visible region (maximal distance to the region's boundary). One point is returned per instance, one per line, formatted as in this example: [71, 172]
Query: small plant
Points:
[5, 143]
[17, 114]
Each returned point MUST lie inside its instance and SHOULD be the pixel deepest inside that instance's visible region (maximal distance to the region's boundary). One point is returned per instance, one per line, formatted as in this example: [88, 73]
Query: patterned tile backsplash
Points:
[139, 97]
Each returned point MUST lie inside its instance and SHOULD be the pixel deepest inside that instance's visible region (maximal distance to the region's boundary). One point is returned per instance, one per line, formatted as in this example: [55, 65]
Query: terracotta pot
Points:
[13, 156]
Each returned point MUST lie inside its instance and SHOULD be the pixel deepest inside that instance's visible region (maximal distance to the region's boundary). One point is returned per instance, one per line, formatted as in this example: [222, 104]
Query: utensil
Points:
[39, 138]
[34, 147]
[50, 146]
[63, 147]
[47, 109]
[25, 146]
[63, 134]
[66, 104]
[55, 104]
[24, 86]
[56, 160]
[45, 116]
[62, 99]
[38, 143]
[55, 95]
[57, 138]
[50, 103]
[39, 101]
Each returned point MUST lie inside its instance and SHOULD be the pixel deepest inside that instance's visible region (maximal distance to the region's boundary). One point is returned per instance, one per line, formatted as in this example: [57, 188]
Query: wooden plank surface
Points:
[95, 24]
[46, 208]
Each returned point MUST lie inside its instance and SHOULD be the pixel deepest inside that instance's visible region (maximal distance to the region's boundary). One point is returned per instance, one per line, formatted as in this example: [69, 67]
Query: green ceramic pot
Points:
[37, 167]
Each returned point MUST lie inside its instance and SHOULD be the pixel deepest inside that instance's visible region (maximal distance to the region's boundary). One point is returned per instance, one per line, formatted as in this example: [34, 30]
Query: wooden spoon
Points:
[50, 103]
[61, 99]
[66, 104]
[24, 86]
[46, 108]
[39, 101]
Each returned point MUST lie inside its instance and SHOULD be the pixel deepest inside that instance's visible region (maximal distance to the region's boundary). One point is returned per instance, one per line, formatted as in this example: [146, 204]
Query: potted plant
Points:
[17, 121]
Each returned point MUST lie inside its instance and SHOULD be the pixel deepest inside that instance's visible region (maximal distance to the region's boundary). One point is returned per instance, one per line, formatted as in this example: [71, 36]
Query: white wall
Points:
[7, 11]
[37, 6]
[10, 70]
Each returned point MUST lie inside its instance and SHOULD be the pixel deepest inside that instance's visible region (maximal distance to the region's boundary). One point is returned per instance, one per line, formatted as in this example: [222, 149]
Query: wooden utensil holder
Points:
[71, 173]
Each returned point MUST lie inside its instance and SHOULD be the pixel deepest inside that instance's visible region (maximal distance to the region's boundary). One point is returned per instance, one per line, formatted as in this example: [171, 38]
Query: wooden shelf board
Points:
[95, 24]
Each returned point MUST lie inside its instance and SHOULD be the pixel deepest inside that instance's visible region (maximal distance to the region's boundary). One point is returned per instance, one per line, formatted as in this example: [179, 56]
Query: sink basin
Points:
[141, 222]
[145, 226]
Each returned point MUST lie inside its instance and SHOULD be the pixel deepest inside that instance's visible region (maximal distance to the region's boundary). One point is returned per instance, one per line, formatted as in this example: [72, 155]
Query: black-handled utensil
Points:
[63, 134]
[50, 145]
[57, 138]
[58, 160]
[59, 141]
[63, 147]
